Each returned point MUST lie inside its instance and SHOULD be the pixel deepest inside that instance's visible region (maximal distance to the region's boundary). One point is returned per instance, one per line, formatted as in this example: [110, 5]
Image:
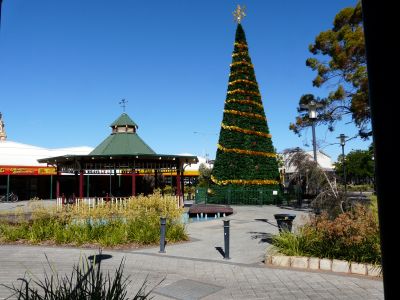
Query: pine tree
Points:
[245, 169]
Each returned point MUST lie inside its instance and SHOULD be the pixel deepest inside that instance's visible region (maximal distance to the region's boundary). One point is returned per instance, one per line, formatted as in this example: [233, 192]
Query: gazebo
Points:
[117, 165]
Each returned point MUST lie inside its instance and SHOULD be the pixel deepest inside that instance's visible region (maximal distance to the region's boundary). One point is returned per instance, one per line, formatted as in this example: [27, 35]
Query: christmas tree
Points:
[245, 169]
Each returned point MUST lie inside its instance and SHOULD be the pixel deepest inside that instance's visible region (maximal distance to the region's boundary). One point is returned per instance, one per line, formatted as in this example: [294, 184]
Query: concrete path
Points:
[251, 227]
[196, 270]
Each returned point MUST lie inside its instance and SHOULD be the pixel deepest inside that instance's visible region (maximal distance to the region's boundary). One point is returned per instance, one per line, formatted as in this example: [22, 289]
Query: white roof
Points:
[195, 167]
[18, 154]
[324, 161]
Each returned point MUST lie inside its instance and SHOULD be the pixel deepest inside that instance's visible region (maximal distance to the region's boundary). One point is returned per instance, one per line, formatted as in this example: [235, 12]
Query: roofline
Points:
[64, 158]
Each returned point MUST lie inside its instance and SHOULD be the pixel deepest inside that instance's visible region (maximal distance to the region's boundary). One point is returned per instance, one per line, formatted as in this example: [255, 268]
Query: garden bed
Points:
[137, 223]
[349, 236]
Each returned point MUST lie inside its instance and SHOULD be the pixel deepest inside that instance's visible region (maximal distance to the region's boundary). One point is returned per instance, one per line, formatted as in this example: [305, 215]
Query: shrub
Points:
[352, 236]
[360, 187]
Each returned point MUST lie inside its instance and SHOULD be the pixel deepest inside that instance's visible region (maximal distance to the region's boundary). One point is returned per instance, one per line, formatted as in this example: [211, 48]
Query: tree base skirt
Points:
[244, 195]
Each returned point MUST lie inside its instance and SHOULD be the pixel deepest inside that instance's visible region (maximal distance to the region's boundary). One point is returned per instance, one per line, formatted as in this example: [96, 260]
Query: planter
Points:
[324, 264]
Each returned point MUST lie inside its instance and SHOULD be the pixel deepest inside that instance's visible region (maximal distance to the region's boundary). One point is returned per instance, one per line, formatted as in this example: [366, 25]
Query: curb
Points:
[324, 264]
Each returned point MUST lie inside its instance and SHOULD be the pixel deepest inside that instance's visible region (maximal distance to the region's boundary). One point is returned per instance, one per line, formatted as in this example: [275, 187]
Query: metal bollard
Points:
[163, 223]
[226, 239]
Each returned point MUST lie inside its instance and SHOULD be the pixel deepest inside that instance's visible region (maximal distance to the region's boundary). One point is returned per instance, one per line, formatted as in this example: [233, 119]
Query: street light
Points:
[373, 161]
[312, 115]
[342, 138]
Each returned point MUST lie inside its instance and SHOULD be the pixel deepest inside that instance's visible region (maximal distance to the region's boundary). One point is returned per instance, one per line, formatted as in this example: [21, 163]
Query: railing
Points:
[92, 202]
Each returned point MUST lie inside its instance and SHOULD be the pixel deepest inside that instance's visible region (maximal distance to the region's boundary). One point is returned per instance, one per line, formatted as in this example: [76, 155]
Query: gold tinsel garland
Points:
[240, 45]
[243, 181]
[244, 114]
[244, 102]
[240, 53]
[248, 131]
[243, 80]
[248, 152]
[245, 92]
[240, 73]
[241, 63]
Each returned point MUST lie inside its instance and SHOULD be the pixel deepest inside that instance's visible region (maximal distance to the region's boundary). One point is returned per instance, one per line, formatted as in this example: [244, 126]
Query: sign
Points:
[274, 192]
[139, 172]
[19, 170]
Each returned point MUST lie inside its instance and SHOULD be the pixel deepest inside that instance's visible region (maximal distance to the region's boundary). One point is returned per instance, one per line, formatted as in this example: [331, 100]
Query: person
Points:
[72, 199]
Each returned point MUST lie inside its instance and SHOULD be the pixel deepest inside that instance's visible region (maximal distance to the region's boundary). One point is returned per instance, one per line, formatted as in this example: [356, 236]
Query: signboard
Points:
[139, 172]
[19, 170]
[274, 192]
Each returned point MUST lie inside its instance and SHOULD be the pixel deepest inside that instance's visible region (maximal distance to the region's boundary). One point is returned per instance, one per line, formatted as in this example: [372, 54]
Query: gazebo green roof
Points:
[123, 142]
[123, 120]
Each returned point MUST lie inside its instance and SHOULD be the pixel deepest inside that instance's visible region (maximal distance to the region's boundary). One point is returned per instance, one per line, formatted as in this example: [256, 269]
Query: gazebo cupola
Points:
[124, 124]
[123, 140]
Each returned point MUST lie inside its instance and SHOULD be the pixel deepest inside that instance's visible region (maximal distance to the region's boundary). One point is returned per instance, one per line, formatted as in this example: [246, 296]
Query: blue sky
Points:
[65, 65]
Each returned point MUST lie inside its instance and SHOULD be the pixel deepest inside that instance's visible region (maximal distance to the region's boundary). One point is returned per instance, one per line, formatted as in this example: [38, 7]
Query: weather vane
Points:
[239, 13]
[123, 103]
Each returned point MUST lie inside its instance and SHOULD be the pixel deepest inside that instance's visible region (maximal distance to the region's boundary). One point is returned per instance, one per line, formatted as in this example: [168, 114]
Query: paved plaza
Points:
[197, 270]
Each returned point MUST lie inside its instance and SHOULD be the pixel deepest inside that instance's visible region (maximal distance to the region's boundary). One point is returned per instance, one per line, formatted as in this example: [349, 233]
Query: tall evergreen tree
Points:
[340, 63]
[245, 166]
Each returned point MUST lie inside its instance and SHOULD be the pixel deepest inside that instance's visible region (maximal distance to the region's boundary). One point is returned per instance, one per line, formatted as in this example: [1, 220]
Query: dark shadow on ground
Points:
[267, 221]
[265, 237]
[221, 251]
[98, 258]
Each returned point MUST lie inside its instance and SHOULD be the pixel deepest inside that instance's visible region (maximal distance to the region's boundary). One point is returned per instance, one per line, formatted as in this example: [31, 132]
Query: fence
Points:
[92, 202]
[238, 196]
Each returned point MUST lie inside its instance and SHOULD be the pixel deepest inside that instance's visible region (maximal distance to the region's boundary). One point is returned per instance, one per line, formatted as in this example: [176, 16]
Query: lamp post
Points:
[342, 139]
[374, 183]
[312, 115]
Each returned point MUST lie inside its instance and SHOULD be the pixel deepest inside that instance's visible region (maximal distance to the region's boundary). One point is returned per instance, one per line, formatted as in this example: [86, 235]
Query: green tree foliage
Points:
[245, 158]
[340, 62]
[204, 175]
[359, 166]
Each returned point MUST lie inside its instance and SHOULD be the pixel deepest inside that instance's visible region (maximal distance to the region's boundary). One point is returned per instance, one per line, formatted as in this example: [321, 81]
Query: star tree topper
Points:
[239, 13]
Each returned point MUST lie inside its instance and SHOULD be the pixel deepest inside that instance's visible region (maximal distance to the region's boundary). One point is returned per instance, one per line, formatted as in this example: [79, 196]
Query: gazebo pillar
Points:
[51, 187]
[155, 179]
[178, 186]
[58, 185]
[87, 185]
[178, 182]
[133, 183]
[81, 184]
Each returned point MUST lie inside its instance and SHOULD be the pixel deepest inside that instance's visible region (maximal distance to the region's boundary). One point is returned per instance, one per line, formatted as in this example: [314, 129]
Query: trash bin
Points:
[284, 221]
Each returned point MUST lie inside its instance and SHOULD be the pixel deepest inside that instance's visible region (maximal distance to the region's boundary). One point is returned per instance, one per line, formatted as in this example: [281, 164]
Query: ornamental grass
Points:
[136, 221]
[351, 236]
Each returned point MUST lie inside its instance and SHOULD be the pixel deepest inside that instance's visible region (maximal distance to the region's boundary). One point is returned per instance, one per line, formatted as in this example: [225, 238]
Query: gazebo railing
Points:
[92, 202]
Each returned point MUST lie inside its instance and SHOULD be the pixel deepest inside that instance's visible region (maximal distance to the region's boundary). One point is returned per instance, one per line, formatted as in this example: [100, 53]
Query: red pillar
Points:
[58, 185]
[134, 184]
[178, 182]
[81, 184]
